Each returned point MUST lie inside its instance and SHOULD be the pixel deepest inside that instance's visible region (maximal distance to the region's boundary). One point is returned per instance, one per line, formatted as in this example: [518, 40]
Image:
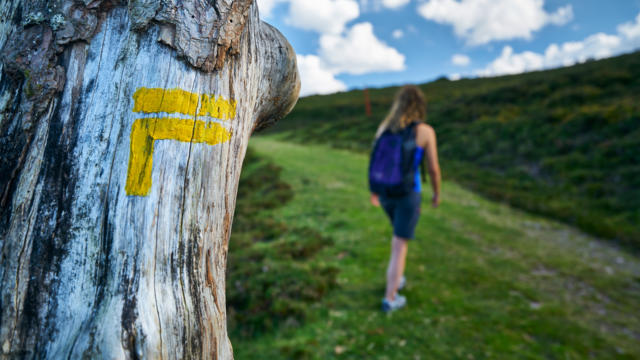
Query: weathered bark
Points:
[123, 127]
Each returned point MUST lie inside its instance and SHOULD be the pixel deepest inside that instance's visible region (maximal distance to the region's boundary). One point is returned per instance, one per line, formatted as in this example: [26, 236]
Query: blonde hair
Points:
[408, 106]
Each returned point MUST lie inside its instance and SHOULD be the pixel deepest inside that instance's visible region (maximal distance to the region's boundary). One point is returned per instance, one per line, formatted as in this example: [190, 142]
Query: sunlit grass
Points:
[484, 280]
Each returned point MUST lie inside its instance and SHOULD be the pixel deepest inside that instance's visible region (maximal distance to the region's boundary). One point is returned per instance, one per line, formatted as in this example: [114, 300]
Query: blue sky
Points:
[345, 44]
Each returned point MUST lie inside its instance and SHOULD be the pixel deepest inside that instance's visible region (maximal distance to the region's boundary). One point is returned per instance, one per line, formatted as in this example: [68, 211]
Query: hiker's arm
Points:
[431, 154]
[375, 200]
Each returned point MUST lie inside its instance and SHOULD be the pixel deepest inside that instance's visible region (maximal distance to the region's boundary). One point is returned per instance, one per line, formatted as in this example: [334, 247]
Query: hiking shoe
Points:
[403, 282]
[397, 303]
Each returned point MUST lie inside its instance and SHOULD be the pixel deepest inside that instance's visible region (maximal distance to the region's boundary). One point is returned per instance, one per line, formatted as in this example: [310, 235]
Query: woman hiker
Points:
[404, 143]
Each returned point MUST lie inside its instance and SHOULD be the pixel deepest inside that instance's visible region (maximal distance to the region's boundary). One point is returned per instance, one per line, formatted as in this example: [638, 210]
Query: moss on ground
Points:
[273, 278]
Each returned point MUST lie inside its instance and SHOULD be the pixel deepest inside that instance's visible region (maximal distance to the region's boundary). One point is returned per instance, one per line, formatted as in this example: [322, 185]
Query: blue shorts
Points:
[403, 213]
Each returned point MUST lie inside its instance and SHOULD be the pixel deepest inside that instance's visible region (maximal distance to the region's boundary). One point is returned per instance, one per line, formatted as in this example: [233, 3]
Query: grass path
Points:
[485, 281]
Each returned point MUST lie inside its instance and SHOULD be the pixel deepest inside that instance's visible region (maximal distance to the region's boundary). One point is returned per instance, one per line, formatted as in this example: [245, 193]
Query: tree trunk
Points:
[123, 127]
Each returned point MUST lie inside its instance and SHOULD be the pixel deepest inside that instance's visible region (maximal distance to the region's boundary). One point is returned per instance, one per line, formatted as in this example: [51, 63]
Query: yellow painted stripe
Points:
[172, 101]
[146, 131]
[218, 108]
[165, 100]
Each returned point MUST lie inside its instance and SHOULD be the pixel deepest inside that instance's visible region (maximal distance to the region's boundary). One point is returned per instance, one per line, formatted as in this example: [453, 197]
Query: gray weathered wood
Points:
[91, 268]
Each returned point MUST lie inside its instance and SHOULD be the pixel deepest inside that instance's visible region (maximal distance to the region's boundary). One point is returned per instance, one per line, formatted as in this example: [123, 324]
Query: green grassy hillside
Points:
[564, 143]
[308, 257]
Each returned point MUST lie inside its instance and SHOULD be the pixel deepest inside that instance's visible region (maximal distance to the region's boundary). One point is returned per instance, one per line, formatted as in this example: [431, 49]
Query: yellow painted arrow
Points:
[146, 131]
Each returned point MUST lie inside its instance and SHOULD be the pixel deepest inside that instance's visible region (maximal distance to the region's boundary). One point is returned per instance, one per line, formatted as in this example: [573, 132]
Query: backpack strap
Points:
[423, 163]
[412, 128]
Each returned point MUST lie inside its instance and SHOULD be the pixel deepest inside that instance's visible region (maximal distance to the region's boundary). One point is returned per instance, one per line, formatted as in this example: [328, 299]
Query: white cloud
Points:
[597, 46]
[455, 77]
[562, 16]
[394, 4]
[631, 34]
[380, 5]
[460, 60]
[354, 51]
[631, 30]
[397, 34]
[510, 63]
[322, 16]
[359, 52]
[316, 78]
[482, 21]
[266, 6]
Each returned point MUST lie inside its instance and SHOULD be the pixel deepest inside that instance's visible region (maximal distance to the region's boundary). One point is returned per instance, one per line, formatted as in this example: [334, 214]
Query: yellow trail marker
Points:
[146, 131]
[171, 101]
[218, 108]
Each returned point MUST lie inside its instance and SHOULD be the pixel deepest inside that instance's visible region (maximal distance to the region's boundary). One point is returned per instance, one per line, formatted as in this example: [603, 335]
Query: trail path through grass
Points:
[485, 281]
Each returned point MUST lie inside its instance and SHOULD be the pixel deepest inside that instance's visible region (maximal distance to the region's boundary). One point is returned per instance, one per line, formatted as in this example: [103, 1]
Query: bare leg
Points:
[397, 263]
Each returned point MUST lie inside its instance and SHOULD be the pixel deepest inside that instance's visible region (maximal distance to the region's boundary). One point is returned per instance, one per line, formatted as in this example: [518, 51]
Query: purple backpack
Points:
[391, 170]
